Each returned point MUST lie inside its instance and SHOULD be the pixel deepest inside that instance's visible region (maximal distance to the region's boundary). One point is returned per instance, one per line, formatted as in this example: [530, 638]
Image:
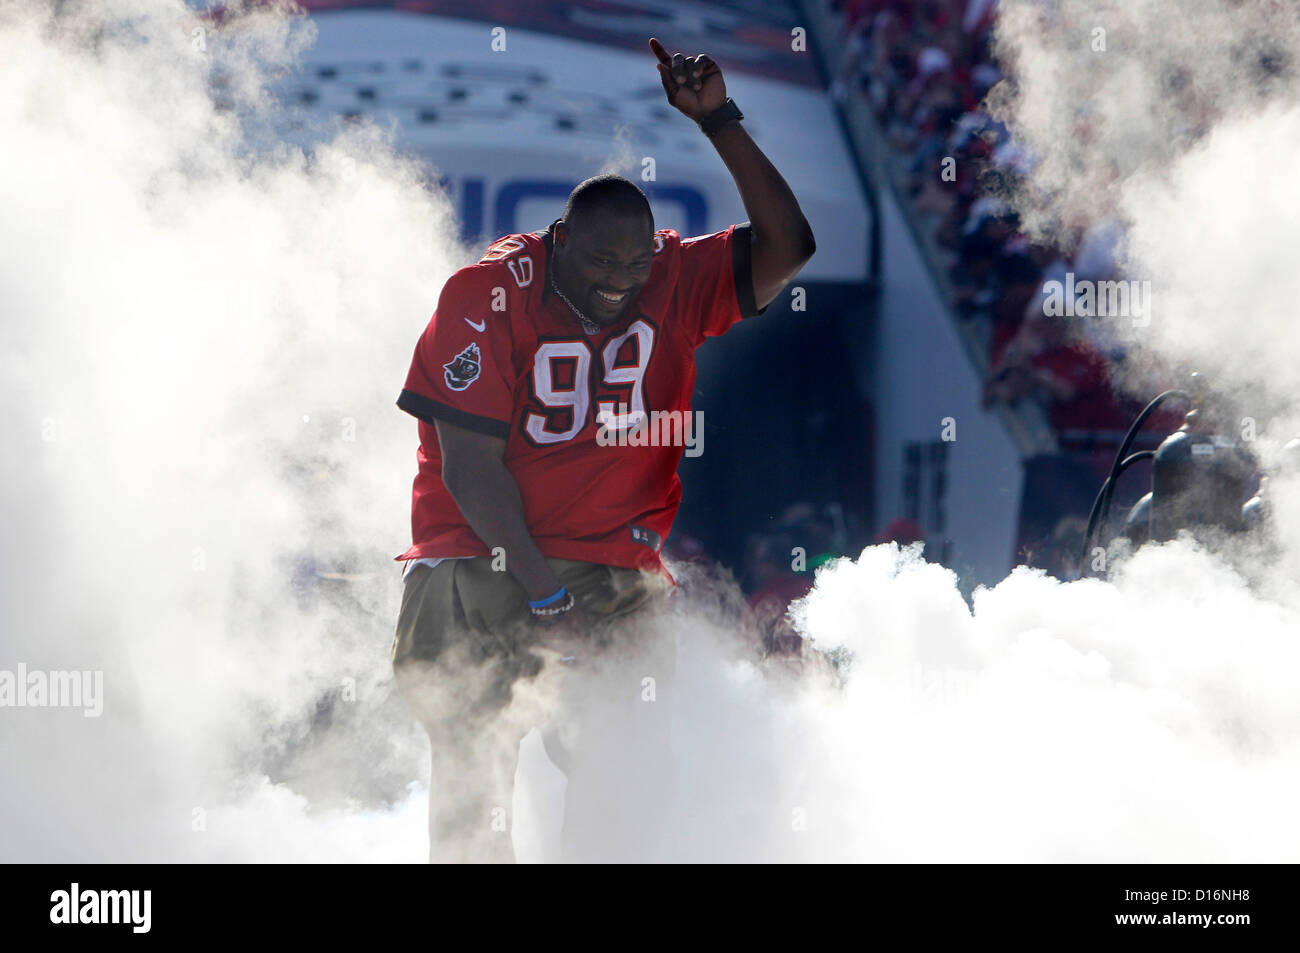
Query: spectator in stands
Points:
[776, 583]
[924, 67]
[1044, 361]
[972, 274]
[780, 566]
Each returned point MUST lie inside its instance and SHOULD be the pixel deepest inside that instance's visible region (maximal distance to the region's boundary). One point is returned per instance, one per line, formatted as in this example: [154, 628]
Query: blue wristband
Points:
[549, 600]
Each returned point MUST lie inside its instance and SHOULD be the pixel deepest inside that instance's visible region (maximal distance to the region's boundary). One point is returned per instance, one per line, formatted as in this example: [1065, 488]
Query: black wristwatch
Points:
[712, 122]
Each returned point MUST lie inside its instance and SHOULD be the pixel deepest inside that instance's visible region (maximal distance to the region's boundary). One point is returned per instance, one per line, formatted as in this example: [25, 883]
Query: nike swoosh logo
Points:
[477, 327]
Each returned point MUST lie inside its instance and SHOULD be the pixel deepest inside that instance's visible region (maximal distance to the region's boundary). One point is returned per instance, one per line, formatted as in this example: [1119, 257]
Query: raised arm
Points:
[781, 238]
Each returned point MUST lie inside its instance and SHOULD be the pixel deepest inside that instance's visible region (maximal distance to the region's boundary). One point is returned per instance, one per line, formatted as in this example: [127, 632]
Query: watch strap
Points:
[711, 122]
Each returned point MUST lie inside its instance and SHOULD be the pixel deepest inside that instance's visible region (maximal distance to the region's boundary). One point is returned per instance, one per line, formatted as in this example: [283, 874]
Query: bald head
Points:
[604, 197]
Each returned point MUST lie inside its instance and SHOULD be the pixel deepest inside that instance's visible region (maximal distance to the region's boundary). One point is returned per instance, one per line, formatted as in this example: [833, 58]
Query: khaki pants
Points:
[465, 643]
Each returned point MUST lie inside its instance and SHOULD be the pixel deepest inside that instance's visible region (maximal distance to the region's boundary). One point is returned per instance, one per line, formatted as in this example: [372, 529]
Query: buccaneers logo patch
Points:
[463, 369]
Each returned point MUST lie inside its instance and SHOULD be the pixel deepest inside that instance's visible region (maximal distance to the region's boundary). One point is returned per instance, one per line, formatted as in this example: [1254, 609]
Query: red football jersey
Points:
[503, 355]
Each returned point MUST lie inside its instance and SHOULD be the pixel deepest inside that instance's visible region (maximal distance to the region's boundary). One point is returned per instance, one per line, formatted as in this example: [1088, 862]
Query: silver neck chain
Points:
[588, 325]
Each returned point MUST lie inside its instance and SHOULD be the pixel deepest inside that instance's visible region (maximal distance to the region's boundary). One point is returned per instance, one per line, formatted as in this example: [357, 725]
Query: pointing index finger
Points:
[658, 50]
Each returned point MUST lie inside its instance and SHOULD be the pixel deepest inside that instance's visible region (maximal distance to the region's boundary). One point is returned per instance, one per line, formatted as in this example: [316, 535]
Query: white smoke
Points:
[1179, 121]
[205, 331]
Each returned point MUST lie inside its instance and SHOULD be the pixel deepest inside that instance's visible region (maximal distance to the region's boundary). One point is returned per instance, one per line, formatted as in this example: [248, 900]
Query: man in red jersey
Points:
[545, 384]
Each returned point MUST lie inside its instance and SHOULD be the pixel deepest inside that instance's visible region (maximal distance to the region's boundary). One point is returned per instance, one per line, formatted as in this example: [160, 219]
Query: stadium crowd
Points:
[925, 67]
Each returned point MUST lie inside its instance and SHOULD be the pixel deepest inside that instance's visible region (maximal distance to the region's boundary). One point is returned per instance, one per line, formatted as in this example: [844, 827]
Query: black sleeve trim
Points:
[426, 409]
[741, 269]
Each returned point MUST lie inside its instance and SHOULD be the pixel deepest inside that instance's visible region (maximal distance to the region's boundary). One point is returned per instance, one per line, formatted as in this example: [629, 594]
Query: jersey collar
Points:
[547, 235]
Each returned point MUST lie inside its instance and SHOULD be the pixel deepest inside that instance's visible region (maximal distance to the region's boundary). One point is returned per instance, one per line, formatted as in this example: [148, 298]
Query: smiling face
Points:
[602, 260]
